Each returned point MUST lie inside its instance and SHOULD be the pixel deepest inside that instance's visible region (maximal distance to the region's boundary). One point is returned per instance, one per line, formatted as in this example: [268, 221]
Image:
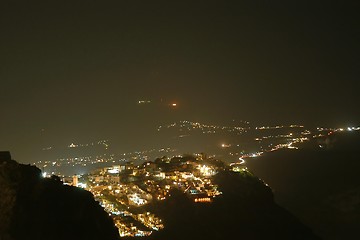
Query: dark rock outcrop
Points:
[246, 210]
[32, 207]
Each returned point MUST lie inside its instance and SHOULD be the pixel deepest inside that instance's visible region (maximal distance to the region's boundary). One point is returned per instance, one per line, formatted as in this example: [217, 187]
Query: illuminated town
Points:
[125, 189]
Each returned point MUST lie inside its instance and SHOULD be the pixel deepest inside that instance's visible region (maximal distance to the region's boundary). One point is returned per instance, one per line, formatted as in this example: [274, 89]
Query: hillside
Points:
[32, 207]
[245, 211]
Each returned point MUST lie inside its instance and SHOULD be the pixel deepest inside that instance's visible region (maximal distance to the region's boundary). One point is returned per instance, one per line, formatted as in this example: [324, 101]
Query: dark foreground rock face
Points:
[32, 207]
[245, 211]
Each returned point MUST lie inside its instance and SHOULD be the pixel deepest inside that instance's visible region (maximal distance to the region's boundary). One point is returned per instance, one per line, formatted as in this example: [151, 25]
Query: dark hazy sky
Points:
[81, 66]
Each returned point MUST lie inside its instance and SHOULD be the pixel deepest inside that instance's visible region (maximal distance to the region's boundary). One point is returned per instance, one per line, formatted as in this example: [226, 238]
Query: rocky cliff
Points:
[32, 207]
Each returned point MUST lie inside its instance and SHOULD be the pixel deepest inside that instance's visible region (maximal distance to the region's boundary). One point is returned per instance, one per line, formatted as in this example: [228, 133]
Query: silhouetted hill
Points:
[319, 185]
[32, 207]
[246, 210]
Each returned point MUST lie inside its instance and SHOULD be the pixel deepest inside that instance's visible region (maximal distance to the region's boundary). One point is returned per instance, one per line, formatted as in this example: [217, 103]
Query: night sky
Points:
[76, 69]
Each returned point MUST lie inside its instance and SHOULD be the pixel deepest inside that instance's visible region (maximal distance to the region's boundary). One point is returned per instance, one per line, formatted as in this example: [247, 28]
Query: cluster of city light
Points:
[101, 158]
[279, 127]
[238, 168]
[205, 199]
[252, 155]
[290, 144]
[206, 170]
[189, 126]
[150, 221]
[130, 230]
[101, 142]
[349, 129]
[76, 161]
[274, 136]
[106, 181]
[144, 101]
[125, 229]
[121, 199]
